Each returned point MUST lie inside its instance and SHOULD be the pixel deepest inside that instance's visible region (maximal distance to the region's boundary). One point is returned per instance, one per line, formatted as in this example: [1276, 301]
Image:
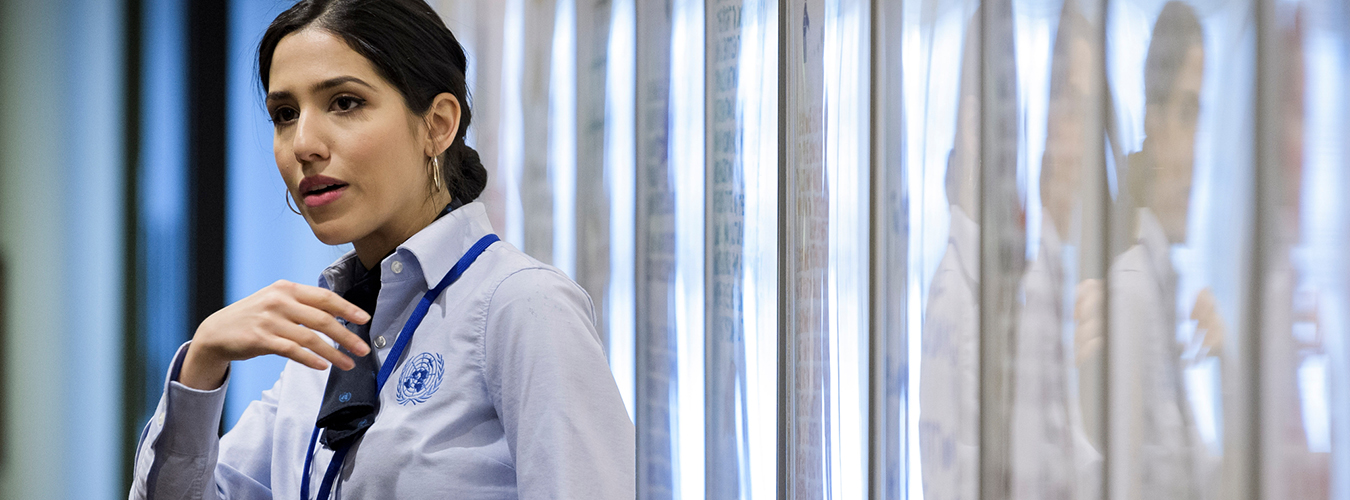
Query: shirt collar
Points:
[1052, 247]
[965, 237]
[1157, 249]
[1050, 238]
[431, 252]
[440, 245]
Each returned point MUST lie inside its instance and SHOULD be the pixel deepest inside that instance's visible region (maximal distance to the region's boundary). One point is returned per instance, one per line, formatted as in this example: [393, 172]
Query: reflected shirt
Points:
[1158, 453]
[1291, 469]
[949, 369]
[1050, 455]
[504, 392]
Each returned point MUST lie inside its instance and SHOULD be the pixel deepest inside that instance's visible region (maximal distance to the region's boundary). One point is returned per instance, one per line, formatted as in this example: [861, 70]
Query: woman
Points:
[497, 387]
[1156, 450]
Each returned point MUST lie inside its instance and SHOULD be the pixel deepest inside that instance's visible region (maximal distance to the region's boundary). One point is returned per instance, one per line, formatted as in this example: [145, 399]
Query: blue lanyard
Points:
[387, 368]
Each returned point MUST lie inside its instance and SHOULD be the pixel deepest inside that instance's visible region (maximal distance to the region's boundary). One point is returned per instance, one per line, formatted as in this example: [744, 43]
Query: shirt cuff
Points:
[190, 418]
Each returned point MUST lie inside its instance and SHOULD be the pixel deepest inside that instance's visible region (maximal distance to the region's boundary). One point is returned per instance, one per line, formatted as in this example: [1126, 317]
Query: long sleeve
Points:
[559, 406]
[178, 451]
[948, 392]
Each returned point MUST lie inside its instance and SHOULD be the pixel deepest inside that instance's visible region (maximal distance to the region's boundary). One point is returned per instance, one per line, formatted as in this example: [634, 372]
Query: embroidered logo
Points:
[420, 378]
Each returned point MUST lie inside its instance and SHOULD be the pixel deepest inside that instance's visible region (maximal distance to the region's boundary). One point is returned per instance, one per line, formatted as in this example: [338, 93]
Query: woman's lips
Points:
[318, 190]
[322, 198]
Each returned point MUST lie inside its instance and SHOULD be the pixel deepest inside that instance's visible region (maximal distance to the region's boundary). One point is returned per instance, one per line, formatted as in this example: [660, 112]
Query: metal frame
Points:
[786, 351]
[1265, 193]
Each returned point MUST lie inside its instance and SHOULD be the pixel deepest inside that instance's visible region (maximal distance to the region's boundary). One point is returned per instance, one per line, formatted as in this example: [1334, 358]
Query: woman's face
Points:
[352, 154]
[1171, 126]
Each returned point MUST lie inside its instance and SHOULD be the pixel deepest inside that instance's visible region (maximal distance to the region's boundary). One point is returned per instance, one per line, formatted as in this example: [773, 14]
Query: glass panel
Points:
[890, 228]
[827, 120]
[743, 238]
[480, 28]
[847, 54]
[658, 425]
[619, 181]
[1181, 80]
[1303, 292]
[528, 56]
[670, 250]
[687, 160]
[941, 105]
[1051, 452]
[806, 255]
[602, 233]
[556, 175]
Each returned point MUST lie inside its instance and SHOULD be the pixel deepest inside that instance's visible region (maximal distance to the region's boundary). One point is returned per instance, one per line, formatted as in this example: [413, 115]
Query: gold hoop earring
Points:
[291, 205]
[436, 181]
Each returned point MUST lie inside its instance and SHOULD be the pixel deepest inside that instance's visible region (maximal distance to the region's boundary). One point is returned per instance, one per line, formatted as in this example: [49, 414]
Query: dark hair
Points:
[410, 47]
[1175, 32]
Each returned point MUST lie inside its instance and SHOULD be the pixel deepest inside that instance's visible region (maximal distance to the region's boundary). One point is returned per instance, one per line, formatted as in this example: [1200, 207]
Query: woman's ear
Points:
[442, 120]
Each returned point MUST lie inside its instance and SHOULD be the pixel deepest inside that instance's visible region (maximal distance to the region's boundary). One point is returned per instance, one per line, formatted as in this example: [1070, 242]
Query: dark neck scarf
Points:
[351, 399]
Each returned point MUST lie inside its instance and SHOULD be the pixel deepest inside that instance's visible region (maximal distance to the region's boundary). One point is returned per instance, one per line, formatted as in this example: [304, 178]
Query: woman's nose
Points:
[309, 143]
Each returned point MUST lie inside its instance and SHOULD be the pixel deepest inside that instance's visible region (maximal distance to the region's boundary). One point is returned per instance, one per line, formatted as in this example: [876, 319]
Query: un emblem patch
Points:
[420, 378]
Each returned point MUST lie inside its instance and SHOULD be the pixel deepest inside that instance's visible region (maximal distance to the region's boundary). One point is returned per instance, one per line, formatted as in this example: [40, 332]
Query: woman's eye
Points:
[347, 103]
[284, 115]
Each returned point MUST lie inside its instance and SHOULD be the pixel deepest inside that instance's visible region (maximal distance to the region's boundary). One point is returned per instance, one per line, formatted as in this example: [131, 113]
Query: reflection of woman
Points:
[497, 383]
[949, 368]
[1291, 469]
[1046, 464]
[1158, 456]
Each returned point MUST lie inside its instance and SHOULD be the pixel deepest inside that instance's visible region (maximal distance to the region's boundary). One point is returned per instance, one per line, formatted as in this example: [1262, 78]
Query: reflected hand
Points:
[1211, 324]
[1088, 307]
[1306, 306]
[279, 319]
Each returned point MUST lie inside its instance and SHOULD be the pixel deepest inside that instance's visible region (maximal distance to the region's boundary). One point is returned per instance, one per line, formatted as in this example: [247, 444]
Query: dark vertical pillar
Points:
[4, 341]
[206, 61]
[133, 352]
[1002, 244]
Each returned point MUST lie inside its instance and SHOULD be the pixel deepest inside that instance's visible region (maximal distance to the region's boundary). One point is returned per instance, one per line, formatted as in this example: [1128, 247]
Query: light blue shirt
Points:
[524, 407]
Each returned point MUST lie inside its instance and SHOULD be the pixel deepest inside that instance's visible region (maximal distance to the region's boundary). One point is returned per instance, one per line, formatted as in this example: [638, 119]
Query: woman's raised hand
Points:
[279, 319]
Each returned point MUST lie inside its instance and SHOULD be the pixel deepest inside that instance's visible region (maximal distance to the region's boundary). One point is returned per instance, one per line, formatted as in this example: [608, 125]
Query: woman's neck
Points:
[374, 247]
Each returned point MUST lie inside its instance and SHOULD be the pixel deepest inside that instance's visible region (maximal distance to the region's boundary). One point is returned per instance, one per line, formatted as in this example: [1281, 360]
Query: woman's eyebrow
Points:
[334, 82]
[279, 95]
[330, 83]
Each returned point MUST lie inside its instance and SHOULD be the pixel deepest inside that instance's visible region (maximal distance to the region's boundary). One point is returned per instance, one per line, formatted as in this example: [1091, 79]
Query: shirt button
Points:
[397, 267]
[380, 342]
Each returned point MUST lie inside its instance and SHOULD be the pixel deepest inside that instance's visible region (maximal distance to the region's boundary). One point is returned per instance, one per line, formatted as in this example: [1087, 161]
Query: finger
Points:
[318, 345]
[1205, 299]
[1091, 328]
[1089, 287]
[288, 349]
[1213, 338]
[1088, 350]
[329, 302]
[1203, 311]
[322, 322]
[1087, 307]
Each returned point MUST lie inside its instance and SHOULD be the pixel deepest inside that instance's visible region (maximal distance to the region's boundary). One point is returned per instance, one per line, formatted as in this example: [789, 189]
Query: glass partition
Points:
[1302, 240]
[658, 425]
[941, 100]
[890, 246]
[1181, 78]
[826, 75]
[742, 238]
[1053, 430]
